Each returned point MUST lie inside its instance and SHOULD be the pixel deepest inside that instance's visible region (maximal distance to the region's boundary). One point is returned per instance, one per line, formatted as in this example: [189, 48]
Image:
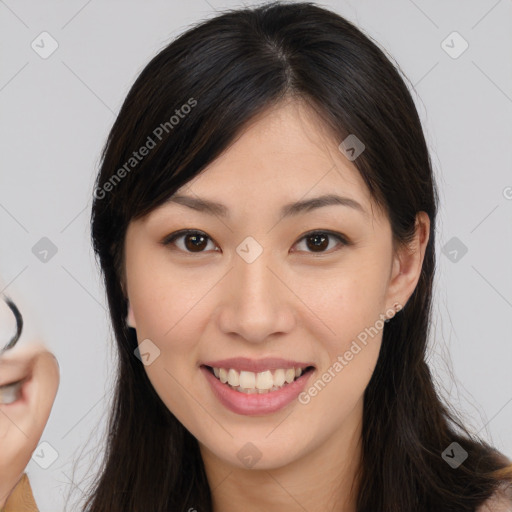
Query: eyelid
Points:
[342, 239]
[168, 239]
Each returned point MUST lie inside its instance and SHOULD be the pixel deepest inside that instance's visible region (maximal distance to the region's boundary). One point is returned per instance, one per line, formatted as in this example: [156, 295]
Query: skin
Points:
[22, 422]
[292, 302]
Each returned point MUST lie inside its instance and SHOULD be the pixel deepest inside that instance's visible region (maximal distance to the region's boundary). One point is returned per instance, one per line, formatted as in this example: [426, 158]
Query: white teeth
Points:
[247, 380]
[233, 378]
[289, 375]
[279, 379]
[262, 382]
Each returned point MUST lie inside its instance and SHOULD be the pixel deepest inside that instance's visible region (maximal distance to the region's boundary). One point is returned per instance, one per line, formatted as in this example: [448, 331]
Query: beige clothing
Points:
[21, 498]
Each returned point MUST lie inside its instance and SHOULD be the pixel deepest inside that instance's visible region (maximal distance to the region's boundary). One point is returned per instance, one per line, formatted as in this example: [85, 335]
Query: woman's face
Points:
[248, 283]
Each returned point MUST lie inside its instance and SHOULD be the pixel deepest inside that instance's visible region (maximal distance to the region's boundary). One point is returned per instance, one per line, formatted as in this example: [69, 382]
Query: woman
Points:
[257, 109]
[264, 218]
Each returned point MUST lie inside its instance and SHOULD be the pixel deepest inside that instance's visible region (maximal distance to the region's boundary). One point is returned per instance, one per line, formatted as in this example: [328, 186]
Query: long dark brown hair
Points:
[189, 104]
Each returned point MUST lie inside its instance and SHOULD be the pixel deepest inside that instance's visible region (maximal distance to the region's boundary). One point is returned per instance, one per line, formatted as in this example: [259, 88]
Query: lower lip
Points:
[256, 404]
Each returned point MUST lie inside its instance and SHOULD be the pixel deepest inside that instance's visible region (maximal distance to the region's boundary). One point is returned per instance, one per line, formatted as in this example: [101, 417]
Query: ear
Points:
[130, 318]
[23, 420]
[408, 262]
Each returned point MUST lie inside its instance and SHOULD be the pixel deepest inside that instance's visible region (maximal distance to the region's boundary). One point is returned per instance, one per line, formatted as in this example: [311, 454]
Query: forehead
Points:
[283, 154]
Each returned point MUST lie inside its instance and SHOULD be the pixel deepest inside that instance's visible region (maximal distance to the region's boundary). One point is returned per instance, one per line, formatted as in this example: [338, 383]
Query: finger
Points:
[23, 421]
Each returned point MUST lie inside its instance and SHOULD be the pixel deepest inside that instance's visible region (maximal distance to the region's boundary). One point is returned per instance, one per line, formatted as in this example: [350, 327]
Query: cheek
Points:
[169, 313]
[355, 314]
[163, 298]
[349, 351]
[349, 307]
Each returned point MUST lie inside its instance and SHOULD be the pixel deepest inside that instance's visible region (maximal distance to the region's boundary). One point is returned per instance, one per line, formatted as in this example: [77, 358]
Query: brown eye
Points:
[318, 241]
[193, 241]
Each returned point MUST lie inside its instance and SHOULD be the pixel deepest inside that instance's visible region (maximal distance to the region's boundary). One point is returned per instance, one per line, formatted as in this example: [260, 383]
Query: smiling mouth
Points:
[260, 382]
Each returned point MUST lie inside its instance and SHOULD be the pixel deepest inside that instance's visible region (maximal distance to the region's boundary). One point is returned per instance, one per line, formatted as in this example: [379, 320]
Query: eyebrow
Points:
[288, 210]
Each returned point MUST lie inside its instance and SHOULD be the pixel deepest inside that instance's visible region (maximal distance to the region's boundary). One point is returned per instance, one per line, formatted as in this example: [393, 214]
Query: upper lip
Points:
[256, 365]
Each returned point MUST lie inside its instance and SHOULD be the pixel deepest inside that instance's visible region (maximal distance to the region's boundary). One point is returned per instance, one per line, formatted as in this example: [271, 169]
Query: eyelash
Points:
[171, 238]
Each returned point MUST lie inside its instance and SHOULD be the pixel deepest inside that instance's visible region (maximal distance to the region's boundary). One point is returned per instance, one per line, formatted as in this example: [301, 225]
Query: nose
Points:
[256, 302]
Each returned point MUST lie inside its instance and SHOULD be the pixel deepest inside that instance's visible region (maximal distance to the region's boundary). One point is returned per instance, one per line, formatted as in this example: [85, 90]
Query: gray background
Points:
[56, 114]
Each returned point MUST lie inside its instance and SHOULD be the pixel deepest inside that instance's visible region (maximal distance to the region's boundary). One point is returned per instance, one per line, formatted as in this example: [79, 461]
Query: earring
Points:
[397, 308]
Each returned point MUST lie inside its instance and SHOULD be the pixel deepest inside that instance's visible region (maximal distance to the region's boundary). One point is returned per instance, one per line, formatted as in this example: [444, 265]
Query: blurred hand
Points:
[22, 422]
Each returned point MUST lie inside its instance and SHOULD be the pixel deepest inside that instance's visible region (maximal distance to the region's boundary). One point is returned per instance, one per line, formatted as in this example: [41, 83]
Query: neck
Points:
[323, 479]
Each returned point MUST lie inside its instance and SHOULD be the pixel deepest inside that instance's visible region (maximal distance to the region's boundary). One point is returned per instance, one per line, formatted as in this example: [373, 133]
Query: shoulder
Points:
[500, 501]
